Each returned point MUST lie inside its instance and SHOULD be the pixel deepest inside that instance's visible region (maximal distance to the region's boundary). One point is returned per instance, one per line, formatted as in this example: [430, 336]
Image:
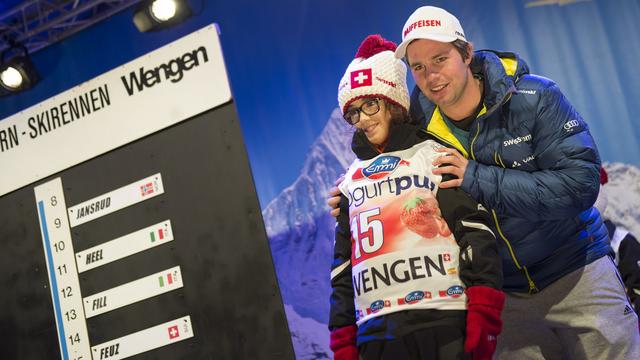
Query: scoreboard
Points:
[131, 226]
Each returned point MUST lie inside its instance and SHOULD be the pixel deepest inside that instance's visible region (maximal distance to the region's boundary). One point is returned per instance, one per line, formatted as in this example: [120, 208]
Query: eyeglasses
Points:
[369, 107]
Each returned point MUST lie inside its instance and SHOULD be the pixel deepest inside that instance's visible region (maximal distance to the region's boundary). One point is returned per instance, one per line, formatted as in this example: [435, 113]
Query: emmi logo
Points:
[172, 71]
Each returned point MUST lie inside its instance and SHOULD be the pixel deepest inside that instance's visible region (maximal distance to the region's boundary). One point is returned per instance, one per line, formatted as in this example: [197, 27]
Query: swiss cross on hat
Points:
[374, 72]
[361, 77]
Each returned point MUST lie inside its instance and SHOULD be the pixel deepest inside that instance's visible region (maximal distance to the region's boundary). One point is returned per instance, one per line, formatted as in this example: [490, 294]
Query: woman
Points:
[416, 273]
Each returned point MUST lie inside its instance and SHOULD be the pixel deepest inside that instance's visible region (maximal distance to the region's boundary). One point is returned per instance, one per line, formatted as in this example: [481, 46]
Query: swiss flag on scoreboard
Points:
[173, 332]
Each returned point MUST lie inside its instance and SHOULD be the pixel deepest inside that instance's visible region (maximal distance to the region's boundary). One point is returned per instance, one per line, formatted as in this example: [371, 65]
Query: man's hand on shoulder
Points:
[451, 162]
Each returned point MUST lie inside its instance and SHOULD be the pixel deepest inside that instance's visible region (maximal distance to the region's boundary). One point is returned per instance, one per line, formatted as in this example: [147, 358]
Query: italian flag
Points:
[168, 277]
[160, 235]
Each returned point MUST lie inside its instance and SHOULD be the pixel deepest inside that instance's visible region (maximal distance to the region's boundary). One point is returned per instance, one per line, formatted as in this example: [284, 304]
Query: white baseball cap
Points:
[430, 22]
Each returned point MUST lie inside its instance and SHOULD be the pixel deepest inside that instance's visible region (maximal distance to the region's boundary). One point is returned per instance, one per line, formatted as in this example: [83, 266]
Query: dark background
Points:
[230, 289]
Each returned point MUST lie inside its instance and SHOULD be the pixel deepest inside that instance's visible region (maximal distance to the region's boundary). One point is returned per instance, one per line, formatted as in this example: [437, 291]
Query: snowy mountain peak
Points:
[623, 192]
[301, 233]
[306, 198]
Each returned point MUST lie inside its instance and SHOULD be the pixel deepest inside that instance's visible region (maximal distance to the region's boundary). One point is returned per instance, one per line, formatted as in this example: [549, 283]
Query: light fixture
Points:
[11, 78]
[17, 73]
[163, 10]
[153, 15]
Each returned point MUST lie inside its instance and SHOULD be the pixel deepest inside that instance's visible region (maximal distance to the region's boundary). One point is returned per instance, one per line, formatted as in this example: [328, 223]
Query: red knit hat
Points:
[375, 72]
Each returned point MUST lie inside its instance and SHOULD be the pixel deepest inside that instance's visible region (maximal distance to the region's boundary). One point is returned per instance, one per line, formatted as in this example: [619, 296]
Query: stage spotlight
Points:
[160, 14]
[163, 10]
[17, 73]
[11, 78]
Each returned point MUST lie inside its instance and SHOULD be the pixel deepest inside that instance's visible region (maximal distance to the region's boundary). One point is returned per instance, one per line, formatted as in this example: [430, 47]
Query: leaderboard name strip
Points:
[124, 246]
[145, 340]
[116, 200]
[134, 291]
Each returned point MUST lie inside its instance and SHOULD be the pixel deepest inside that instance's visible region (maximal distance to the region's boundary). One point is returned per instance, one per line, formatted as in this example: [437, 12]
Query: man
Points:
[519, 148]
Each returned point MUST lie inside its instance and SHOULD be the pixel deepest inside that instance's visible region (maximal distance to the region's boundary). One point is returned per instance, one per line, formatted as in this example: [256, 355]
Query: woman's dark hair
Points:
[398, 114]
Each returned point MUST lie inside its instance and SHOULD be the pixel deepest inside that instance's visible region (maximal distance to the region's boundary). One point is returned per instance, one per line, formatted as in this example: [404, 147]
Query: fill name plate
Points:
[132, 292]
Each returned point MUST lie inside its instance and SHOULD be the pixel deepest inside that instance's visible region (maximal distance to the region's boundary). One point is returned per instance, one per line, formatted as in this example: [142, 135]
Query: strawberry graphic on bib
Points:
[421, 215]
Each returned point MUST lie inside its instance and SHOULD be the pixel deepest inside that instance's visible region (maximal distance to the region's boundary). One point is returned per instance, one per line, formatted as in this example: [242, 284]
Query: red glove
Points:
[484, 306]
[343, 343]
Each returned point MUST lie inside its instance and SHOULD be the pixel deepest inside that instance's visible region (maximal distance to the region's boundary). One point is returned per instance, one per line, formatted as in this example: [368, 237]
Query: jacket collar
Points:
[499, 71]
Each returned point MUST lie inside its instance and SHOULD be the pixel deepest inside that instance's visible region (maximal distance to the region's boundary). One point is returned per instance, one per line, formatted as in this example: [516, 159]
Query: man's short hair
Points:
[462, 47]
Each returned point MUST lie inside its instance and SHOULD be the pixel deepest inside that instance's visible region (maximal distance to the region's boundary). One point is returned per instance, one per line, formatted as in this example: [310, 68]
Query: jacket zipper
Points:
[532, 285]
[473, 141]
[498, 159]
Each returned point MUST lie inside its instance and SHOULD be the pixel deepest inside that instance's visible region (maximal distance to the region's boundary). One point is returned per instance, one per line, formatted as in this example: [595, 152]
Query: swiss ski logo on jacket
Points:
[380, 168]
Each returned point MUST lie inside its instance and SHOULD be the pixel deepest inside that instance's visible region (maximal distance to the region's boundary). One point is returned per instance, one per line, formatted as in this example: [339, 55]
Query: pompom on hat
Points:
[375, 72]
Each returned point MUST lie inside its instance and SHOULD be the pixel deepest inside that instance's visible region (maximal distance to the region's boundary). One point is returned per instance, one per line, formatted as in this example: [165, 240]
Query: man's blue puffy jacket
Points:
[534, 164]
